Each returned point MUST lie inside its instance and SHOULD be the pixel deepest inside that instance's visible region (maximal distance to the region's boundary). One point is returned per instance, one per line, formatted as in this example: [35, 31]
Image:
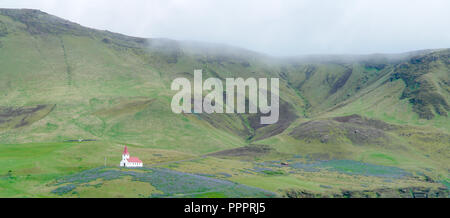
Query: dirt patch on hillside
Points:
[310, 71]
[325, 131]
[341, 81]
[233, 123]
[286, 118]
[357, 129]
[249, 151]
[12, 118]
[359, 120]
[407, 192]
[3, 29]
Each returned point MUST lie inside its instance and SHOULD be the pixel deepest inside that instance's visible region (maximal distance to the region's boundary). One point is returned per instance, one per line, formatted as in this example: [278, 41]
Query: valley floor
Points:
[77, 169]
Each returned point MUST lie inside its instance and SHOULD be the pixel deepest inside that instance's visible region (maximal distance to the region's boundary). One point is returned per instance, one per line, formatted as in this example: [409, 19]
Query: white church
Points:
[130, 162]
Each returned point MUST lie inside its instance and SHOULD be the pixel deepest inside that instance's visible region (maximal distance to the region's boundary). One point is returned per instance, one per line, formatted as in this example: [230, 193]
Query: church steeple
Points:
[125, 151]
[125, 154]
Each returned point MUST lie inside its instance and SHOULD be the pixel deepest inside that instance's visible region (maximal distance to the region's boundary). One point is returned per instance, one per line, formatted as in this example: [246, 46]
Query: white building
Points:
[131, 162]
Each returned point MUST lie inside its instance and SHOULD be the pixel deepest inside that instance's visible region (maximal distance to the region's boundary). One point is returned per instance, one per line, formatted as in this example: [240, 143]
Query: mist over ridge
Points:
[277, 28]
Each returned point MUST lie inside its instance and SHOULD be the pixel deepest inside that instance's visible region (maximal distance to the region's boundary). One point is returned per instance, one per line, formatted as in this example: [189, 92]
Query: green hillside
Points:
[350, 126]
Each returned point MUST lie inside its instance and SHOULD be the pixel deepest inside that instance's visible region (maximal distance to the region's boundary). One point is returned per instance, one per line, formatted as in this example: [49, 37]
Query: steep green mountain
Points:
[62, 82]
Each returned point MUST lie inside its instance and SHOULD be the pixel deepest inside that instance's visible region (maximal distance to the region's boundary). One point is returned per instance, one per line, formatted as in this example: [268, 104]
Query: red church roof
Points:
[134, 160]
[126, 150]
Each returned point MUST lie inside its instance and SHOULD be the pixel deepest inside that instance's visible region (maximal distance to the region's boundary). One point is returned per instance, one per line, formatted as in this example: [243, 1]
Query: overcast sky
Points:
[286, 27]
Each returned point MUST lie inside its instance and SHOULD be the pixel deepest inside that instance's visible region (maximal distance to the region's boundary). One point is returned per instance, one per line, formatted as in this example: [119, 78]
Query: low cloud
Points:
[286, 27]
